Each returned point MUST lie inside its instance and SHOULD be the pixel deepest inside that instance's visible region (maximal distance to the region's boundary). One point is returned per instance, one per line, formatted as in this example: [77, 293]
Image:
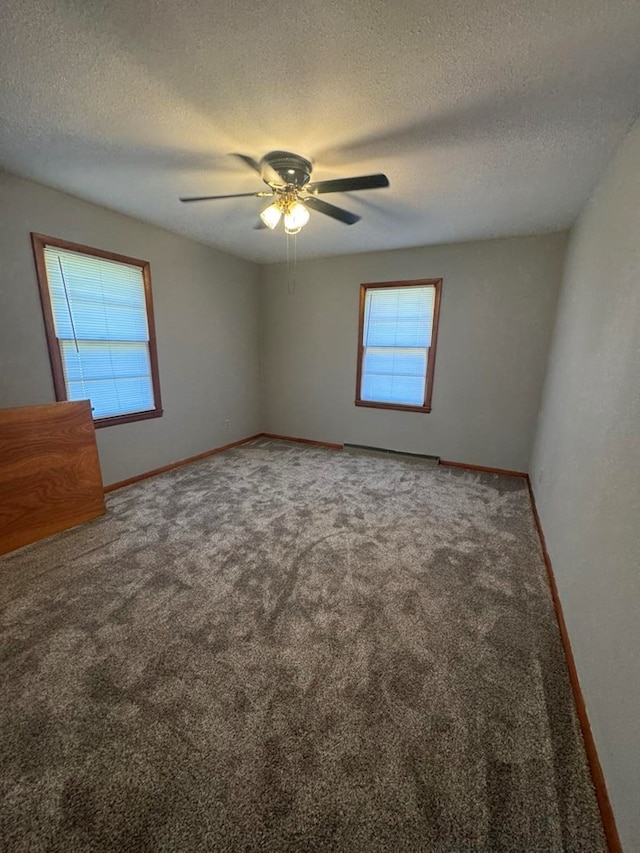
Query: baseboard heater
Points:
[383, 451]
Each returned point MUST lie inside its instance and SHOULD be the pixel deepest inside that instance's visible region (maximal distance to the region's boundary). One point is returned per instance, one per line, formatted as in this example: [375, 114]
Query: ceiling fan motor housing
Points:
[293, 168]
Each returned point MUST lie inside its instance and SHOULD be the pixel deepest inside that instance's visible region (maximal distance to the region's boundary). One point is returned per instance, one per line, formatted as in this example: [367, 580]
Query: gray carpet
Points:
[291, 649]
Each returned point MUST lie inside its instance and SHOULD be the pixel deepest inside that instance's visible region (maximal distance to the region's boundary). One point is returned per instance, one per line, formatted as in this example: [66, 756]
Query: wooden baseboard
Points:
[302, 440]
[131, 480]
[505, 472]
[604, 803]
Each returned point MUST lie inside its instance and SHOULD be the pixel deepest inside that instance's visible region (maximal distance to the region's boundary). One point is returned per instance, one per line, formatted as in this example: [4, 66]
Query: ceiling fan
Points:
[288, 177]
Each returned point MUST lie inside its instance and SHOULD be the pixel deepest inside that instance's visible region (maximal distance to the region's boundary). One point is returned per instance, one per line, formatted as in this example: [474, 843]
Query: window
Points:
[397, 344]
[98, 317]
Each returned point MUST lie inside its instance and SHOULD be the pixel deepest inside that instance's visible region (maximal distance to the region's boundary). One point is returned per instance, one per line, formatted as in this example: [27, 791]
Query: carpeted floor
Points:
[291, 649]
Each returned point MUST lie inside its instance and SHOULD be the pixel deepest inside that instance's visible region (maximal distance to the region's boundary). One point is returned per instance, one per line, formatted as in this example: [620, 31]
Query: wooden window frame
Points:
[425, 408]
[39, 241]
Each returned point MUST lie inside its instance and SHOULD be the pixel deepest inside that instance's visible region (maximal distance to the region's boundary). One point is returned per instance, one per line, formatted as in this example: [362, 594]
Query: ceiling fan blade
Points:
[251, 163]
[331, 210]
[265, 170]
[346, 185]
[234, 195]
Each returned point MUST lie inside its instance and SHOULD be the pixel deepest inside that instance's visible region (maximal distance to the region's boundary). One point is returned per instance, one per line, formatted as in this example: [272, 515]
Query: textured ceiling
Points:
[490, 117]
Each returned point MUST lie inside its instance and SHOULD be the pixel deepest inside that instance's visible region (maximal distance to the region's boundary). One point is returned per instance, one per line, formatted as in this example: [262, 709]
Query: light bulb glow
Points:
[295, 218]
[271, 215]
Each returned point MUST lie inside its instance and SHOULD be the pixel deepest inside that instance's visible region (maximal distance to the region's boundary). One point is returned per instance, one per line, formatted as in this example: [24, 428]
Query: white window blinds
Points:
[100, 317]
[398, 323]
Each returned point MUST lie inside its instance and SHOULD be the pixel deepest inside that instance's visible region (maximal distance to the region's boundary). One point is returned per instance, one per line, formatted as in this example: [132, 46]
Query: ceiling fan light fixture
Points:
[287, 175]
[295, 218]
[271, 215]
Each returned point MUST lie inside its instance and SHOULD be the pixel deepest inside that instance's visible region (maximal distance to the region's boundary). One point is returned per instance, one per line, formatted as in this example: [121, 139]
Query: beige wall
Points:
[206, 311]
[586, 471]
[498, 302]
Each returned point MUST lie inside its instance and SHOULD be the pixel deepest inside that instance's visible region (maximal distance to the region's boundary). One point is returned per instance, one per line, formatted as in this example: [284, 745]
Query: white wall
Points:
[586, 471]
[498, 303]
[206, 309]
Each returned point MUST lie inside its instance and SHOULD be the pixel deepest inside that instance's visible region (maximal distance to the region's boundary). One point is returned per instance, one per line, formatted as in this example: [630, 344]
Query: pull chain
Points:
[291, 273]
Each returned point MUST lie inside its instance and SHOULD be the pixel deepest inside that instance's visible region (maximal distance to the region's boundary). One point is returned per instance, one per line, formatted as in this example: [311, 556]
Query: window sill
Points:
[127, 419]
[397, 407]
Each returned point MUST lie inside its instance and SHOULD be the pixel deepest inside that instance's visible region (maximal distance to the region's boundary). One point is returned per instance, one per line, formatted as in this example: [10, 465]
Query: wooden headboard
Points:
[49, 471]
